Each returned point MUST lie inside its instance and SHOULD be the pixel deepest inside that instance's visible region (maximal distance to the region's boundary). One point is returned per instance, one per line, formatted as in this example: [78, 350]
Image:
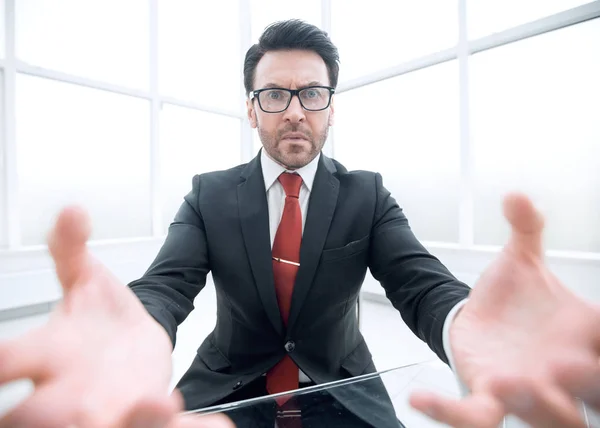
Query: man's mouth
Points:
[294, 136]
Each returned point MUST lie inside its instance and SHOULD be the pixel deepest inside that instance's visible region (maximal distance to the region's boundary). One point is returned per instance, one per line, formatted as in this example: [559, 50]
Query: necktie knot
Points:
[291, 184]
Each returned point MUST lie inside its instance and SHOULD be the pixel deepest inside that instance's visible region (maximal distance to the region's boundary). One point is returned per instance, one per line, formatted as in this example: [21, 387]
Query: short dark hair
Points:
[287, 35]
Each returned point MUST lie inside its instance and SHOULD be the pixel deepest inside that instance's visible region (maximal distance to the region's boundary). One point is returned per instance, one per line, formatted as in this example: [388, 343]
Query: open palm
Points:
[523, 343]
[101, 360]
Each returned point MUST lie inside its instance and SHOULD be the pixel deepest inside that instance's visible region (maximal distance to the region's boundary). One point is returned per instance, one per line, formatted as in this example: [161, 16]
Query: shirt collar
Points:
[272, 170]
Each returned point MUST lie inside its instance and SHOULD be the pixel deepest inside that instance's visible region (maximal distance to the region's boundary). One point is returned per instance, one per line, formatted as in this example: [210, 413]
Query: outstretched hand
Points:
[101, 360]
[523, 344]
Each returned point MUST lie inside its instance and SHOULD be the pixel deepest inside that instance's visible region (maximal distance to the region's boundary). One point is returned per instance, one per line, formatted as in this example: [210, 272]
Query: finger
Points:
[23, 357]
[43, 409]
[581, 380]
[526, 222]
[197, 421]
[67, 245]
[540, 405]
[207, 421]
[595, 320]
[157, 412]
[473, 411]
[150, 413]
[177, 400]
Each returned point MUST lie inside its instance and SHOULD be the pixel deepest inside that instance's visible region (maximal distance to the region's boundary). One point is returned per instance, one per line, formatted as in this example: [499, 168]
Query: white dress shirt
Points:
[276, 200]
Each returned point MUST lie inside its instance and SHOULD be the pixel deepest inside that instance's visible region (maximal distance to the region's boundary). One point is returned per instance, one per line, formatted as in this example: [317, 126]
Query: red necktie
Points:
[286, 259]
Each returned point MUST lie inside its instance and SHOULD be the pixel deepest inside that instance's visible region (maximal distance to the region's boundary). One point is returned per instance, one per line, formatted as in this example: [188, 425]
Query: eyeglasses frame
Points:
[294, 92]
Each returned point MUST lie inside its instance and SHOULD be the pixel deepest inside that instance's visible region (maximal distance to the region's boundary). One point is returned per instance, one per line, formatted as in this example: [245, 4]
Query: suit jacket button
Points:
[237, 385]
[290, 346]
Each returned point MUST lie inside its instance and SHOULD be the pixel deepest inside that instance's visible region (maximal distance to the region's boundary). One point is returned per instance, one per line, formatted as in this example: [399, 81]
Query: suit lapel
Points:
[254, 218]
[321, 206]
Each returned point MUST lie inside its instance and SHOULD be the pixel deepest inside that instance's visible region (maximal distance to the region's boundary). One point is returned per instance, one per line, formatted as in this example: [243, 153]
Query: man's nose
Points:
[295, 112]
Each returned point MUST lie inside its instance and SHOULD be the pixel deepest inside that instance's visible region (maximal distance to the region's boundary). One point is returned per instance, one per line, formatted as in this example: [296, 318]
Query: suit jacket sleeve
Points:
[419, 286]
[178, 273]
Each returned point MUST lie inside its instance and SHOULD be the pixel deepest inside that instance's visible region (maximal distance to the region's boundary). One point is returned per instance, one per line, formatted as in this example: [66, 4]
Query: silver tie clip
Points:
[286, 261]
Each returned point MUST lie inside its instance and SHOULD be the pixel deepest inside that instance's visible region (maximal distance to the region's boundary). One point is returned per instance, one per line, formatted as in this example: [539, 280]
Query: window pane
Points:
[266, 12]
[3, 202]
[85, 146]
[102, 39]
[256, 144]
[3, 237]
[407, 128]
[2, 29]
[490, 16]
[382, 33]
[193, 142]
[199, 52]
[535, 109]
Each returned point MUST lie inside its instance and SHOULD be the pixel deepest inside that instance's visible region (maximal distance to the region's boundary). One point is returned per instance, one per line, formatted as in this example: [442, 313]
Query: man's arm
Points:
[416, 282]
[178, 273]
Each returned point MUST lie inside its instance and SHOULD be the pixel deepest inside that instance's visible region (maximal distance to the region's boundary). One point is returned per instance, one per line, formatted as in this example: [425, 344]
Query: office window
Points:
[256, 143]
[85, 146]
[406, 128]
[3, 202]
[485, 17]
[193, 142]
[105, 40]
[200, 52]
[3, 237]
[379, 34]
[266, 12]
[535, 109]
[2, 29]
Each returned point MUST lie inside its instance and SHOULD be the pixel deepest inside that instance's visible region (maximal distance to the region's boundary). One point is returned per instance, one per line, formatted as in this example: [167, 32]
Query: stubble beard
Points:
[293, 159]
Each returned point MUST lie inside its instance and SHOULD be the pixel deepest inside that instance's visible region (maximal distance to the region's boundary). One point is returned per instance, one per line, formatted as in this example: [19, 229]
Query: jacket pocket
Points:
[358, 361]
[347, 250]
[212, 357]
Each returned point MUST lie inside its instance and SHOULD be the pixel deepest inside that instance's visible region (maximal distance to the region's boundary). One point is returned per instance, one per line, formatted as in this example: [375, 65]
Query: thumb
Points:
[527, 224]
[150, 413]
[219, 420]
[67, 245]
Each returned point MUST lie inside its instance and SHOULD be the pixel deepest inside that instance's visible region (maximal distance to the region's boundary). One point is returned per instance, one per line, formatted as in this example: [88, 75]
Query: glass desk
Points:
[379, 400]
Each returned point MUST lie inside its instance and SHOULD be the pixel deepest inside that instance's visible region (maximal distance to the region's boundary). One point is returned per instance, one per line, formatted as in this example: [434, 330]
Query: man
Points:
[288, 251]
[288, 238]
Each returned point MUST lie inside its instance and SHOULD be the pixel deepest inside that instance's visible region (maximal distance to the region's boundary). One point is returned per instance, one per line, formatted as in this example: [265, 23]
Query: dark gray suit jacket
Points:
[352, 224]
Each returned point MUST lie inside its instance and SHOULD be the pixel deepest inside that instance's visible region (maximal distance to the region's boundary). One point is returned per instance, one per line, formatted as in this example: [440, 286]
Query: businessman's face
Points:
[294, 136]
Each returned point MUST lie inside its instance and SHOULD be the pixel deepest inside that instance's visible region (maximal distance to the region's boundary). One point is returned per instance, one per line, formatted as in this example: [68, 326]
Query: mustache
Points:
[295, 128]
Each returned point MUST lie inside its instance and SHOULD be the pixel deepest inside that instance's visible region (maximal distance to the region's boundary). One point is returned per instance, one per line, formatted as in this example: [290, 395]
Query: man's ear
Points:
[331, 113]
[251, 113]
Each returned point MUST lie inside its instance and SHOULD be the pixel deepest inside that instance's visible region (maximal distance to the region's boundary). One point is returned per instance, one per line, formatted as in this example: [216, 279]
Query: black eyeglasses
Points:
[276, 100]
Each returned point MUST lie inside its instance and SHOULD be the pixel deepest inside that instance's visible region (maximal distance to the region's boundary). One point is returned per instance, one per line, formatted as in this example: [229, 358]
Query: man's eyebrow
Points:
[272, 85]
[313, 83]
[276, 85]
